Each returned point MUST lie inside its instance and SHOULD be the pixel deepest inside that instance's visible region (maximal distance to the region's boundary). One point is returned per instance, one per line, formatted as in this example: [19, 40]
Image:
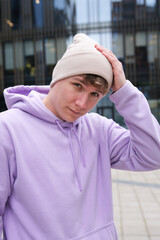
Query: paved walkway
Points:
[136, 198]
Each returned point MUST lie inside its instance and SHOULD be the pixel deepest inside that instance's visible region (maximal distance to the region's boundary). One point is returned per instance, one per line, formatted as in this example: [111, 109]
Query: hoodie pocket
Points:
[107, 232]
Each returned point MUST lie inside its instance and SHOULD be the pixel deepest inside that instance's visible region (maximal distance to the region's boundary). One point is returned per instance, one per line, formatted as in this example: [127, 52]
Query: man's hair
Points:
[97, 81]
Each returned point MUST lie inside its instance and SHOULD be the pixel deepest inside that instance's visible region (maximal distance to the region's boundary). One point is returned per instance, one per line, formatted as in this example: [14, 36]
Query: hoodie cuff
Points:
[122, 93]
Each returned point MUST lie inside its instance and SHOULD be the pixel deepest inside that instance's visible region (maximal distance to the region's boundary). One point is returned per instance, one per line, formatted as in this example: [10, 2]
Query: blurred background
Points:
[35, 33]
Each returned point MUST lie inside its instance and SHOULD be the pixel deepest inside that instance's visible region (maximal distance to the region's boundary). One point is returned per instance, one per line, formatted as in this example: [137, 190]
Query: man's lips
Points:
[75, 111]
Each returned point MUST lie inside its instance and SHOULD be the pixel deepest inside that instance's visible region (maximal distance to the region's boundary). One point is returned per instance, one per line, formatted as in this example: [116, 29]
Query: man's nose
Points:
[82, 100]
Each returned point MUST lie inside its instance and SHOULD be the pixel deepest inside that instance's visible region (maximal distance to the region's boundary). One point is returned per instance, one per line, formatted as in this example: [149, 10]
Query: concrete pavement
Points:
[136, 198]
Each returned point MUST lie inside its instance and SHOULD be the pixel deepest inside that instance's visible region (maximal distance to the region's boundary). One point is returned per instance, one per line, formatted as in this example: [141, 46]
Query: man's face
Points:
[71, 98]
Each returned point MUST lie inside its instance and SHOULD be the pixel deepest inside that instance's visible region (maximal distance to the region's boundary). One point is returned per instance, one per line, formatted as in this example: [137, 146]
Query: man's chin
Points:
[72, 118]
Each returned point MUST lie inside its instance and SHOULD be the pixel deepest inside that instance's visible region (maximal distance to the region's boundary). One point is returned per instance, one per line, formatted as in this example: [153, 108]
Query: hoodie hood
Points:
[29, 99]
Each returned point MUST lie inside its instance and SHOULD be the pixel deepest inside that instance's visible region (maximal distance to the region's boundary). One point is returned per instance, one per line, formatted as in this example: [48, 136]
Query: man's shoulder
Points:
[94, 115]
[9, 112]
[96, 119]
[10, 115]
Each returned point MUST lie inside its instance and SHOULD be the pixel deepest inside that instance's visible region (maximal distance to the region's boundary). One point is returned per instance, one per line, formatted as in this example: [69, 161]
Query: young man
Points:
[56, 159]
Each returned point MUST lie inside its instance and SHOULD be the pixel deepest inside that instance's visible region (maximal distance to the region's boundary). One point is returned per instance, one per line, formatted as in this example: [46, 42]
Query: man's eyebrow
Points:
[84, 82]
[96, 90]
[80, 80]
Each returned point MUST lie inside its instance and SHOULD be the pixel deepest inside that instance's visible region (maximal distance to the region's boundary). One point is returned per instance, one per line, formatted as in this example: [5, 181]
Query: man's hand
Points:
[119, 78]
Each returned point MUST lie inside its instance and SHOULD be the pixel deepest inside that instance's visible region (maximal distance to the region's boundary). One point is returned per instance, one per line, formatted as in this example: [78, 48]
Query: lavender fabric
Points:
[55, 176]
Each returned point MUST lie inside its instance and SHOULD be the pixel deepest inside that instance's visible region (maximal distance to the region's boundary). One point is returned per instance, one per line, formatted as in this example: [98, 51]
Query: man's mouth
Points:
[75, 112]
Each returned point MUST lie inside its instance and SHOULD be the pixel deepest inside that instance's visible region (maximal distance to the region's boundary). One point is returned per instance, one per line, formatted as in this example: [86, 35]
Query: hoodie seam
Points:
[93, 231]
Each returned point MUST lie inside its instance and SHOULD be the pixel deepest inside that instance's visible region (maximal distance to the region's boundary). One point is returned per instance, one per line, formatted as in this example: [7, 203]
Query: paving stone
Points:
[136, 198]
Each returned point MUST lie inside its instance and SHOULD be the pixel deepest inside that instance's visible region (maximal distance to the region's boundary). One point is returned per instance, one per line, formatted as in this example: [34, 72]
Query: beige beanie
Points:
[81, 57]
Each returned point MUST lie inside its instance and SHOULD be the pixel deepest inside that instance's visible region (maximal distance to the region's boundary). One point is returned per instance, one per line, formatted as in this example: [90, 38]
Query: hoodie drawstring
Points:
[72, 151]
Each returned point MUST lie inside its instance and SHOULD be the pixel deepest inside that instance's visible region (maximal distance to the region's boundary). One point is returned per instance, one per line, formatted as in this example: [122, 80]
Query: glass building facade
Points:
[35, 33]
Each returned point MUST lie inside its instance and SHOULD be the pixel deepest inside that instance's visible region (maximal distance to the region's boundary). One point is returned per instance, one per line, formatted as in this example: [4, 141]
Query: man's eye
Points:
[77, 85]
[95, 94]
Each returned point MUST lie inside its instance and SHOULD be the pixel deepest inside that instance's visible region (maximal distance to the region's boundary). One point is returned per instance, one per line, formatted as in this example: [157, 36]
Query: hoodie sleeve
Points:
[138, 148]
[7, 171]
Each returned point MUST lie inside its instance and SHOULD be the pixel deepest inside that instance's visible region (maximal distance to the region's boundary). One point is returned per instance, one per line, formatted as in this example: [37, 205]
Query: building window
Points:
[129, 9]
[141, 56]
[93, 11]
[16, 17]
[140, 2]
[151, 3]
[81, 12]
[117, 11]
[152, 47]
[152, 56]
[129, 41]
[39, 60]
[50, 58]
[8, 59]
[19, 62]
[104, 10]
[106, 111]
[1, 69]
[59, 12]
[1, 62]
[37, 11]
[151, 9]
[8, 64]
[117, 44]
[130, 57]
[29, 69]
[60, 47]
[0, 17]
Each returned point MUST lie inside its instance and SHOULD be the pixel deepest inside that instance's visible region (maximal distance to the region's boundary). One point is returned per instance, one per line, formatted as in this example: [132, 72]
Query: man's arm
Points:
[139, 147]
[7, 171]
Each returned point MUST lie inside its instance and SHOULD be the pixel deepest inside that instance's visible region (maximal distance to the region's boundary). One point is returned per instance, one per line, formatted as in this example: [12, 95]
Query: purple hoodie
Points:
[55, 176]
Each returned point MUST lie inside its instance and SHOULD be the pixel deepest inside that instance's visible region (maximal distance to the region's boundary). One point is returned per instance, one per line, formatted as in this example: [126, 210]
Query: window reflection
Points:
[128, 9]
[1, 69]
[106, 40]
[16, 17]
[8, 64]
[152, 47]
[59, 12]
[141, 56]
[91, 11]
[129, 45]
[104, 10]
[0, 17]
[152, 56]
[117, 44]
[8, 59]
[29, 70]
[50, 57]
[37, 9]
[39, 59]
[117, 11]
[140, 2]
[1, 62]
[81, 12]
[60, 47]
[19, 61]
[150, 3]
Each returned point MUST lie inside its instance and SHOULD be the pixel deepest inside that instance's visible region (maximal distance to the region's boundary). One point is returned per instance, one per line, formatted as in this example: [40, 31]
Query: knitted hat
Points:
[81, 57]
